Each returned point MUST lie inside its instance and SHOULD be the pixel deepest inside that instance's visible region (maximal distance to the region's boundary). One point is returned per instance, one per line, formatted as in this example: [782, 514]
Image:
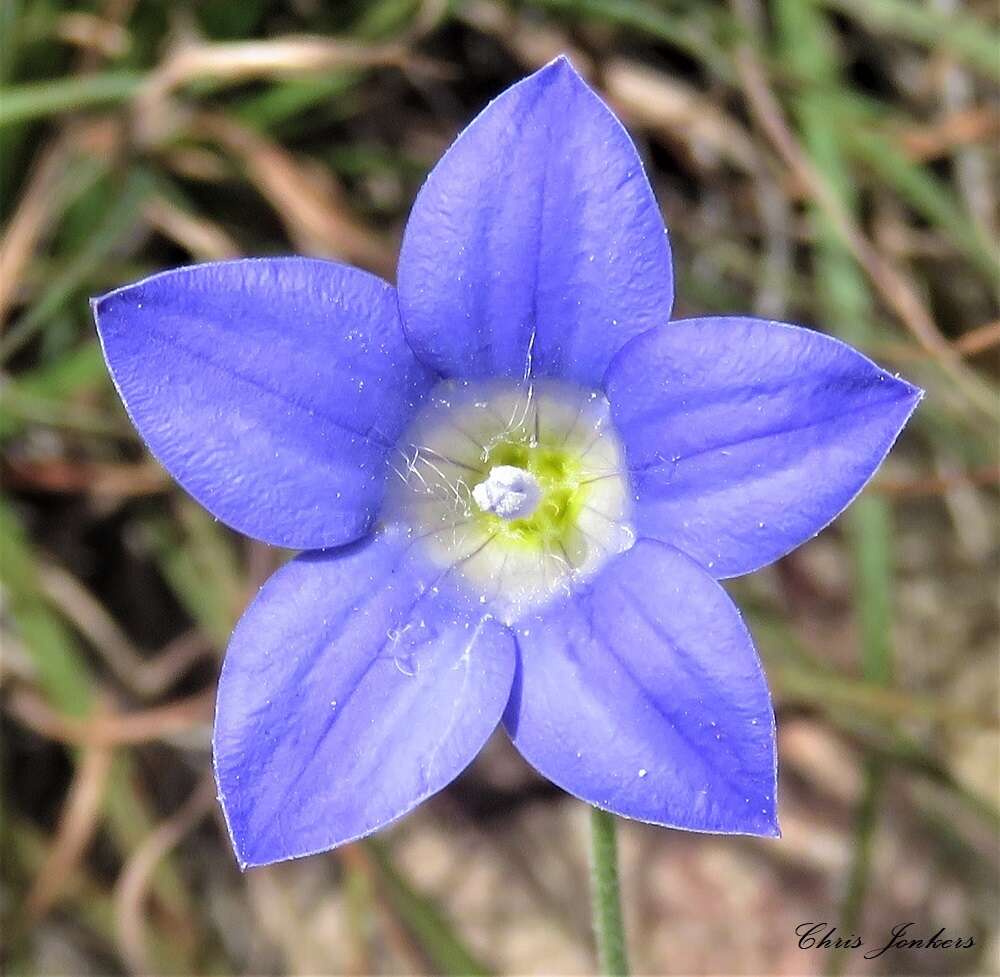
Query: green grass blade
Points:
[40, 99]
[846, 307]
[966, 37]
[61, 671]
[424, 920]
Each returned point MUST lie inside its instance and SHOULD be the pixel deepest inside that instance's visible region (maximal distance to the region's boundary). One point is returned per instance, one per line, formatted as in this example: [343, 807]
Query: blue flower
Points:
[519, 485]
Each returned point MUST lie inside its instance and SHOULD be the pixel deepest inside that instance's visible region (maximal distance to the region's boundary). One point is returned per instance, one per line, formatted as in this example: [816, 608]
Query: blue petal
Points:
[271, 389]
[747, 437]
[538, 222]
[355, 686]
[645, 697]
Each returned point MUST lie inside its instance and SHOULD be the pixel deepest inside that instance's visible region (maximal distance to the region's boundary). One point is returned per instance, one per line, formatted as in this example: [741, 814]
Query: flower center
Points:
[509, 492]
[520, 488]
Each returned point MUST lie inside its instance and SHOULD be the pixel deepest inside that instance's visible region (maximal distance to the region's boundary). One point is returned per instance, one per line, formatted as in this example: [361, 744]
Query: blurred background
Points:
[831, 162]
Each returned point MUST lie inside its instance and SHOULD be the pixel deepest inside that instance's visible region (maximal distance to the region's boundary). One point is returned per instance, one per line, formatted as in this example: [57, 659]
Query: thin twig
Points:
[133, 882]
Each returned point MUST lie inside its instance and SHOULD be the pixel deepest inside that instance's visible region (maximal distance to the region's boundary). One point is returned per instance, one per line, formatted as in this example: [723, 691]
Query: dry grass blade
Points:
[282, 56]
[91, 618]
[26, 228]
[305, 197]
[162, 670]
[975, 341]
[99, 480]
[963, 127]
[914, 488]
[241, 61]
[94, 34]
[203, 239]
[121, 729]
[979, 340]
[77, 824]
[679, 113]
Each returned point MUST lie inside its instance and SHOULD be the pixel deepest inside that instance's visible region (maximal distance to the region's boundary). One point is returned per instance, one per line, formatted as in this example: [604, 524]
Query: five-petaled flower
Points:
[519, 484]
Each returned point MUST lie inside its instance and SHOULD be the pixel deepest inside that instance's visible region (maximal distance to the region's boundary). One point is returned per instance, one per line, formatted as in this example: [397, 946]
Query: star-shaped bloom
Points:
[518, 483]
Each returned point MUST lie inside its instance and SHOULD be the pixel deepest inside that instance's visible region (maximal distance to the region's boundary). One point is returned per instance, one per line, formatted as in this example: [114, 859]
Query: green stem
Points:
[609, 927]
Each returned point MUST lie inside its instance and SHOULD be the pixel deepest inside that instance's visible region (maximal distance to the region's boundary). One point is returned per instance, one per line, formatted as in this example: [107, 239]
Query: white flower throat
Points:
[520, 488]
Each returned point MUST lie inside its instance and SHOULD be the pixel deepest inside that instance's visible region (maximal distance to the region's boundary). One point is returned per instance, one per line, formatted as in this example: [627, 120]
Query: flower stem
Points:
[605, 896]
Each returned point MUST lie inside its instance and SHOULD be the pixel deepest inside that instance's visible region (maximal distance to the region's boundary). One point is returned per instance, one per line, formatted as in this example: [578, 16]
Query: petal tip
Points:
[910, 391]
[562, 62]
[99, 306]
[549, 142]
[908, 398]
[560, 70]
[765, 825]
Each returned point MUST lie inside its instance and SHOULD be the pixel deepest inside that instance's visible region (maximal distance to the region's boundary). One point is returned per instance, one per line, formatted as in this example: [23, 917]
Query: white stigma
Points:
[509, 492]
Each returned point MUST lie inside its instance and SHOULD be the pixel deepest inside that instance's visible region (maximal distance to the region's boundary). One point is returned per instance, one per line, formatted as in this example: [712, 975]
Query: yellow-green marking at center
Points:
[564, 490]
